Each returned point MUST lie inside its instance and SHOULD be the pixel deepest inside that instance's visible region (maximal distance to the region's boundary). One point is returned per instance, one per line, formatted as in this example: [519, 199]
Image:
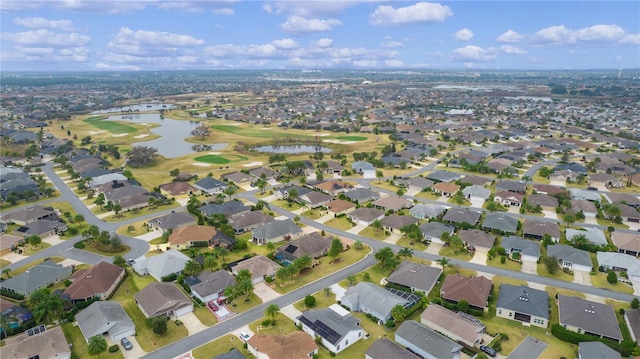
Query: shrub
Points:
[169, 277]
[503, 260]
[10, 294]
[159, 325]
[516, 256]
[501, 251]
[114, 348]
[79, 245]
[310, 301]
[612, 278]
[635, 303]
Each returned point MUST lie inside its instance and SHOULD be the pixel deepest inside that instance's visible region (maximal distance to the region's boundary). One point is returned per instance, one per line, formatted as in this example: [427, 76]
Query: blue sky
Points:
[89, 35]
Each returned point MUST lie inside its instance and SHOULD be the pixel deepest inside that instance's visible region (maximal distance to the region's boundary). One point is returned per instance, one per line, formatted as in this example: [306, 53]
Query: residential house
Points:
[371, 299]
[445, 188]
[334, 168]
[593, 235]
[315, 199]
[39, 276]
[259, 266]
[620, 262]
[18, 185]
[334, 187]
[129, 197]
[9, 243]
[247, 221]
[476, 193]
[632, 320]
[596, 350]
[476, 180]
[335, 326]
[474, 290]
[537, 229]
[626, 242]
[99, 281]
[283, 192]
[209, 286]
[444, 176]
[339, 206]
[548, 189]
[12, 314]
[276, 231]
[263, 172]
[29, 214]
[498, 165]
[426, 211]
[508, 198]
[365, 215]
[227, 209]
[384, 349]
[545, 201]
[511, 186]
[475, 238]
[628, 213]
[393, 203]
[163, 299]
[295, 345]
[42, 228]
[361, 195]
[171, 221]
[604, 180]
[396, 222]
[176, 189]
[586, 195]
[232, 354]
[312, 244]
[426, 342]
[523, 304]
[620, 198]
[221, 240]
[415, 276]
[570, 257]
[462, 215]
[529, 250]
[188, 236]
[210, 186]
[366, 169]
[414, 183]
[588, 208]
[500, 222]
[105, 178]
[105, 317]
[162, 265]
[529, 348]
[238, 177]
[458, 327]
[433, 231]
[50, 343]
[587, 317]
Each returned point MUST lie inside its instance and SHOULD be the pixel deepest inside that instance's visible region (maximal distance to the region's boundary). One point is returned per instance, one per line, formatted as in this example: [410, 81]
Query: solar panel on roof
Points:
[322, 330]
[290, 249]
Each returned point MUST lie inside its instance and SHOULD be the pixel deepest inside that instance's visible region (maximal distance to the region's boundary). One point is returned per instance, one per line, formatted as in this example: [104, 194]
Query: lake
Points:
[136, 108]
[291, 149]
[171, 144]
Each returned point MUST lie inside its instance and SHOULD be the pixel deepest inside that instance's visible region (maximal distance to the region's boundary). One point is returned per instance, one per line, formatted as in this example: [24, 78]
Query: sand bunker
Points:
[257, 163]
[214, 153]
[141, 136]
[119, 135]
[266, 128]
[341, 142]
[95, 132]
[323, 134]
[201, 164]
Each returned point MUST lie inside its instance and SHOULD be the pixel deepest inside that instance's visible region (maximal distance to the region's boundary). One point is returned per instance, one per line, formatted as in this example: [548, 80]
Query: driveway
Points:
[480, 257]
[135, 352]
[338, 291]
[192, 323]
[393, 238]
[581, 277]
[264, 292]
[530, 267]
[291, 312]
[550, 214]
[149, 236]
[357, 228]
[433, 248]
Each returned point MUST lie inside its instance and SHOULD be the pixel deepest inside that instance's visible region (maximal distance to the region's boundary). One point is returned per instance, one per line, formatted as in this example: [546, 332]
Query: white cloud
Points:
[472, 53]
[218, 7]
[285, 43]
[224, 11]
[610, 35]
[146, 43]
[600, 33]
[308, 9]
[631, 39]
[463, 35]
[365, 63]
[391, 44]
[44, 38]
[42, 23]
[250, 51]
[299, 25]
[557, 35]
[324, 42]
[394, 63]
[510, 36]
[512, 50]
[422, 12]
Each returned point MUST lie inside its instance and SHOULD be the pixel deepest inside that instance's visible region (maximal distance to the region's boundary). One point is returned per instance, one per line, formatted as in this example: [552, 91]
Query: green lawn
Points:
[79, 345]
[413, 244]
[351, 138]
[111, 126]
[28, 249]
[451, 252]
[240, 305]
[377, 234]
[4, 263]
[341, 223]
[312, 213]
[284, 325]
[511, 265]
[90, 247]
[289, 206]
[600, 280]
[322, 301]
[220, 346]
[257, 132]
[220, 160]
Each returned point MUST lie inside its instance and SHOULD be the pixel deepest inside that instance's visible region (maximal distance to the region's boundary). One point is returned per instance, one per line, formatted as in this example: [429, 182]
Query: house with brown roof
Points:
[628, 213]
[445, 188]
[475, 290]
[247, 221]
[588, 208]
[98, 281]
[312, 244]
[508, 198]
[339, 206]
[537, 229]
[177, 189]
[548, 189]
[365, 215]
[9, 242]
[627, 242]
[50, 343]
[163, 299]
[475, 238]
[334, 187]
[393, 203]
[185, 237]
[259, 266]
[545, 201]
[315, 199]
[456, 326]
[237, 177]
[296, 345]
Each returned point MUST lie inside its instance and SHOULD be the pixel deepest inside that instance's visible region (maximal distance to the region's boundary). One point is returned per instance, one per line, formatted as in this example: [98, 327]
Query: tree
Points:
[174, 172]
[400, 192]
[99, 201]
[303, 262]
[119, 260]
[635, 303]
[78, 218]
[141, 156]
[7, 272]
[463, 306]
[97, 345]
[377, 225]
[385, 256]
[272, 311]
[612, 278]
[286, 273]
[552, 264]
[398, 313]
[117, 208]
[261, 184]
[210, 262]
[222, 252]
[405, 252]
[458, 198]
[351, 279]
[310, 301]
[358, 245]
[245, 287]
[159, 325]
[569, 219]
[292, 195]
[379, 174]
[203, 131]
[192, 267]
[45, 307]
[493, 206]
[544, 172]
[34, 240]
[335, 250]
[444, 262]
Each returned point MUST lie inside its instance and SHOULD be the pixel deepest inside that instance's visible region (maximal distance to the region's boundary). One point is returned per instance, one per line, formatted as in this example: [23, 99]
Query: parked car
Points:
[488, 350]
[126, 344]
[244, 336]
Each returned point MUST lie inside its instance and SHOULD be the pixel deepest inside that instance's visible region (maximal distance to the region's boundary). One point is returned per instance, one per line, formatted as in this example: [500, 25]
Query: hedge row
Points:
[10, 294]
[625, 348]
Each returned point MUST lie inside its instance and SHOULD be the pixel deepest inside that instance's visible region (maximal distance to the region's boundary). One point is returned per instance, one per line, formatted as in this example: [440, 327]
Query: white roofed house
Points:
[570, 258]
[161, 265]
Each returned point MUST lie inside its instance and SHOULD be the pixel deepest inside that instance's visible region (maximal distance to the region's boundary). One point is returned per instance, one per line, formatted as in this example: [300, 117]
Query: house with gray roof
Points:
[393, 203]
[432, 231]
[444, 176]
[462, 215]
[529, 348]
[587, 195]
[171, 221]
[36, 277]
[237, 177]
[385, 349]
[259, 266]
[426, 211]
[500, 222]
[592, 234]
[210, 186]
[227, 209]
[365, 215]
[162, 265]
[336, 327]
[537, 229]
[632, 320]
[546, 202]
[232, 354]
[426, 342]
[596, 350]
[476, 193]
[416, 276]
[105, 317]
[315, 199]
[570, 257]
[529, 250]
[371, 299]
[29, 214]
[587, 317]
[511, 186]
[366, 169]
[50, 343]
[312, 244]
[521, 303]
[247, 221]
[284, 191]
[42, 228]
[276, 231]
[457, 326]
[620, 262]
[163, 299]
[209, 286]
[106, 178]
[587, 208]
[396, 222]
[415, 183]
[361, 195]
[475, 238]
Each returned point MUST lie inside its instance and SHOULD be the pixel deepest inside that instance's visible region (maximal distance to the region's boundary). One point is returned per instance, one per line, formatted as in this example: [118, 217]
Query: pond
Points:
[136, 108]
[291, 149]
[171, 144]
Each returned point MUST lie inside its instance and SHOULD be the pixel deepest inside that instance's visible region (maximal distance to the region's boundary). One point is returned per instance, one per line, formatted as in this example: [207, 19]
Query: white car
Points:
[244, 336]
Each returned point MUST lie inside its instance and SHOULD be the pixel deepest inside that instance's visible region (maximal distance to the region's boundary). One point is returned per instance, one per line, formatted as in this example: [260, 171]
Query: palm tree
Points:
[444, 262]
[7, 272]
[377, 225]
[526, 180]
[351, 279]
[303, 262]
[97, 345]
[405, 252]
[261, 184]
[222, 252]
[492, 206]
[398, 313]
[210, 262]
[458, 198]
[245, 287]
[379, 174]
[191, 267]
[272, 310]
[569, 219]
[44, 306]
